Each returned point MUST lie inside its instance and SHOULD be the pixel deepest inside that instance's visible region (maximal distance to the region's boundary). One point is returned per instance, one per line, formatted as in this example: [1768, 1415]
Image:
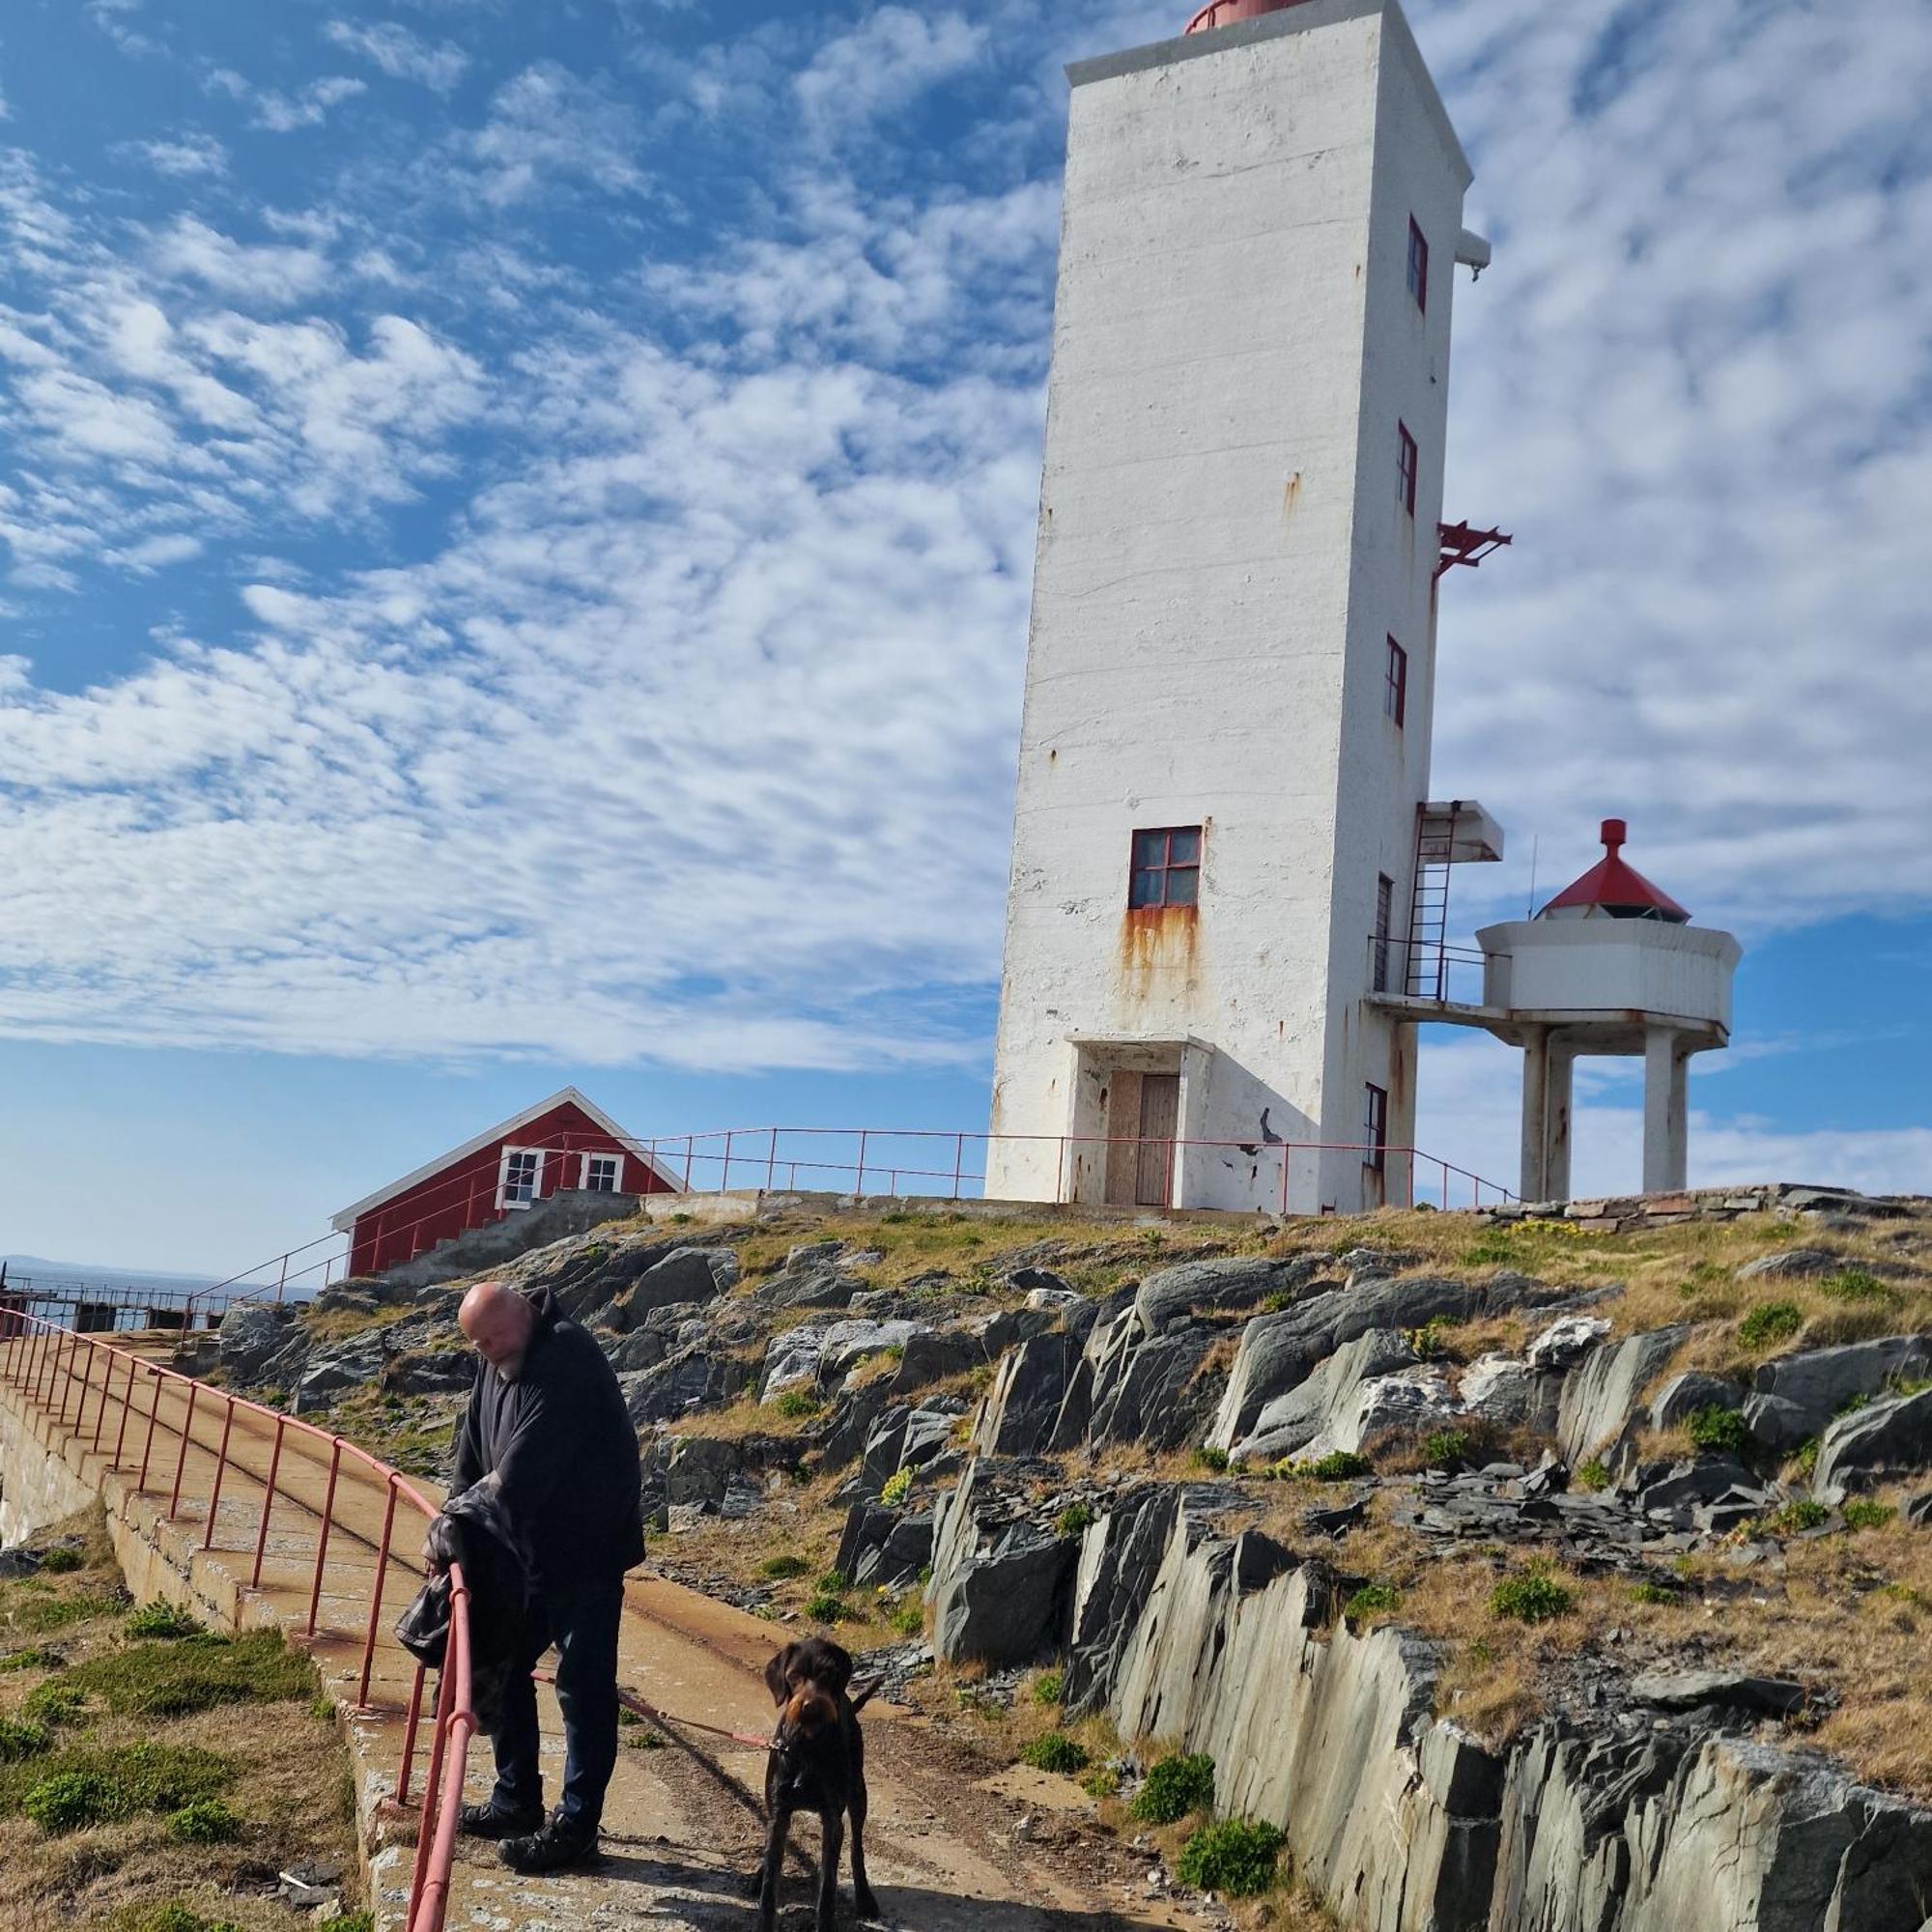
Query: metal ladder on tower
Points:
[1428, 949]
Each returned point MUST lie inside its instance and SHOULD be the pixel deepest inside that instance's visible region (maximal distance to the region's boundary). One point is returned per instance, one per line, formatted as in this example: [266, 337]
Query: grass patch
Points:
[170, 1679]
[1769, 1323]
[781, 1569]
[1103, 1781]
[35, 1658]
[1855, 1284]
[1339, 1465]
[37, 1615]
[161, 1620]
[909, 1619]
[824, 1607]
[84, 1787]
[1056, 1751]
[1236, 1857]
[1373, 1600]
[1721, 1429]
[1049, 1688]
[60, 1562]
[1868, 1515]
[57, 1702]
[208, 1821]
[796, 1402]
[1073, 1520]
[1796, 1517]
[1446, 1448]
[1661, 1594]
[19, 1739]
[1532, 1596]
[1594, 1476]
[1206, 1457]
[1174, 1787]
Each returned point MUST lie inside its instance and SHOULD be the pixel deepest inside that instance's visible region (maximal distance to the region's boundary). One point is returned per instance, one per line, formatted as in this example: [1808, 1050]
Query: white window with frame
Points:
[518, 1175]
[602, 1174]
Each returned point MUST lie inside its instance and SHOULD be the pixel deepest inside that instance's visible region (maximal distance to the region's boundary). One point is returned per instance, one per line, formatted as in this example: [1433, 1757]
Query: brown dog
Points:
[817, 1763]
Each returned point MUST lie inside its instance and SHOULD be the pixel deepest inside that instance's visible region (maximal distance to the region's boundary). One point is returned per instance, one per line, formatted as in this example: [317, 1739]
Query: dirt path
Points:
[949, 1849]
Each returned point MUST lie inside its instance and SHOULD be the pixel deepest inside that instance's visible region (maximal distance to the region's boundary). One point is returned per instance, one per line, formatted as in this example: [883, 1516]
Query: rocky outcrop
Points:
[1885, 1440]
[820, 1351]
[691, 1379]
[1312, 1407]
[1278, 1353]
[1600, 1395]
[1797, 1396]
[253, 1334]
[883, 1547]
[1000, 1578]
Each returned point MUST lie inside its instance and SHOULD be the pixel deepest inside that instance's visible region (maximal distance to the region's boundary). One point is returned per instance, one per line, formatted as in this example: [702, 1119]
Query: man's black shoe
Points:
[485, 1821]
[555, 1848]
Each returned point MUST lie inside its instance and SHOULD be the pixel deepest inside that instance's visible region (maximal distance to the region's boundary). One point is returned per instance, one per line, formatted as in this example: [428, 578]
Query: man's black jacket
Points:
[562, 1451]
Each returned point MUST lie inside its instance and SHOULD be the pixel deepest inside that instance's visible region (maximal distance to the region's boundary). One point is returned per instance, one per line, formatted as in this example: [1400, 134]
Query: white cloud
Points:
[259, 272]
[548, 126]
[402, 54]
[883, 64]
[283, 113]
[187, 157]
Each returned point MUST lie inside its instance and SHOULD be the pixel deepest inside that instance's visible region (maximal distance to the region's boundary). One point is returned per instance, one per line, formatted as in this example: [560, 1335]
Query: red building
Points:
[560, 1144]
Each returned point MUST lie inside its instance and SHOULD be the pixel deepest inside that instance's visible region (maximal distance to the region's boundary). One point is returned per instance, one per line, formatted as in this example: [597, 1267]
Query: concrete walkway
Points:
[948, 1850]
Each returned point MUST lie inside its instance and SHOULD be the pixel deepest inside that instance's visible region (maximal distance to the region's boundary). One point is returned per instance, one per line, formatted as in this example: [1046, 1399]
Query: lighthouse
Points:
[1225, 860]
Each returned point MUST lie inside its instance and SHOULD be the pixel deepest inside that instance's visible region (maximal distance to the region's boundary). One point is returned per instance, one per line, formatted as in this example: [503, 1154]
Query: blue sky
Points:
[515, 527]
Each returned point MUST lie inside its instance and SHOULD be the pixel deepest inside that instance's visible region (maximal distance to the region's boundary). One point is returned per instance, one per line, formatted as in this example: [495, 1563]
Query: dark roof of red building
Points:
[1614, 887]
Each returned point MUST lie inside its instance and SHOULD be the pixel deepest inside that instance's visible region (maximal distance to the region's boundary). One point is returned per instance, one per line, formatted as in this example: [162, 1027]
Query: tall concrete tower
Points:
[1224, 848]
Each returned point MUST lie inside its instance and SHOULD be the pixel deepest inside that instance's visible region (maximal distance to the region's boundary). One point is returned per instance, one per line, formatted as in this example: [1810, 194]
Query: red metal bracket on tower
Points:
[1462, 545]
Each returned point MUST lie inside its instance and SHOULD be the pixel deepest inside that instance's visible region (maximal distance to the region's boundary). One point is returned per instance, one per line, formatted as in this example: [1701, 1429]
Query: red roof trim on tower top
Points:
[1613, 884]
[1226, 13]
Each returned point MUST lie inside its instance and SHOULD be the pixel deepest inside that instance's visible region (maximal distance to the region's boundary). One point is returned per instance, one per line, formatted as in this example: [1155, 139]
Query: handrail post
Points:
[107, 1387]
[958, 1161]
[375, 1597]
[220, 1468]
[409, 1729]
[321, 1535]
[267, 1502]
[858, 1186]
[772, 1163]
[724, 1180]
[181, 1461]
[147, 1448]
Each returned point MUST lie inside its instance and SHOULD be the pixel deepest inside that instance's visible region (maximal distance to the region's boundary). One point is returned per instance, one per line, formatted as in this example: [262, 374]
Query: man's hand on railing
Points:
[440, 1547]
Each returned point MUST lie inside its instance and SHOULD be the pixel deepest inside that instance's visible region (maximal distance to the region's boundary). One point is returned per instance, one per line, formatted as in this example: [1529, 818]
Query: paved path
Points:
[948, 1851]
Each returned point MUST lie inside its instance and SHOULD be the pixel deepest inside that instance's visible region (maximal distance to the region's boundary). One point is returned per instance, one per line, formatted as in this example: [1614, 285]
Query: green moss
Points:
[1236, 1857]
[1174, 1787]
[1770, 1323]
[1532, 1596]
[781, 1568]
[1715, 1427]
[1056, 1751]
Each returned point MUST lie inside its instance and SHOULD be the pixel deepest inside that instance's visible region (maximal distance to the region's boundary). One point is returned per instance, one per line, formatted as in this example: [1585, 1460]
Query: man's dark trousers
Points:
[580, 1618]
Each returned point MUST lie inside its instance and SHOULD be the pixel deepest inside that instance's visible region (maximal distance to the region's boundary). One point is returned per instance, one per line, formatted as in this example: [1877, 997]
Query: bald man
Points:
[547, 1428]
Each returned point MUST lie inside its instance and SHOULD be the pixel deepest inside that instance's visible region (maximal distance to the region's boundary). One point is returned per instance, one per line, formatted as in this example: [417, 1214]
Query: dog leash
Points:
[639, 1708]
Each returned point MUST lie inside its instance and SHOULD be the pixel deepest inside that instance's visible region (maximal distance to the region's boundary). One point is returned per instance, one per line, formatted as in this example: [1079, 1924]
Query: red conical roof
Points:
[1612, 886]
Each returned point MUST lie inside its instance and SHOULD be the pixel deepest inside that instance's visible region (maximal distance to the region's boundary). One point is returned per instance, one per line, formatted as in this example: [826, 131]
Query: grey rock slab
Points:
[1232, 1282]
[1317, 1405]
[678, 1385]
[252, 1337]
[1464, 1775]
[1733, 1690]
[1565, 1342]
[1684, 1396]
[1143, 1395]
[641, 1348]
[1918, 1511]
[1023, 1406]
[685, 1274]
[1888, 1439]
[1818, 1382]
[1779, 1425]
[699, 1470]
[1793, 1261]
[1600, 1395]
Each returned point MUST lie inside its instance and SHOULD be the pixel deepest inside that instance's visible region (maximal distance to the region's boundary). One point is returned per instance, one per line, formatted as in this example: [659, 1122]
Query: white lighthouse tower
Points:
[1224, 848]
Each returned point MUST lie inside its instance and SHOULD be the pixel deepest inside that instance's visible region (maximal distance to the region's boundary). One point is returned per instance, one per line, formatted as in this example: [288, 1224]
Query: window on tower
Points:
[1166, 868]
[1418, 265]
[1385, 923]
[1374, 1129]
[1395, 686]
[1404, 475]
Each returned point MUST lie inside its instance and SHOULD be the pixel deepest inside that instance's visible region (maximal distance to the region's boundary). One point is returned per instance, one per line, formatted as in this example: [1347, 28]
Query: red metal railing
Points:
[54, 1365]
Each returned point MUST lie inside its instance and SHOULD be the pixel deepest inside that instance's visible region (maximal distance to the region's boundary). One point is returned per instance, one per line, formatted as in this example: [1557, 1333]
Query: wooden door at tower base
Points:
[1160, 1121]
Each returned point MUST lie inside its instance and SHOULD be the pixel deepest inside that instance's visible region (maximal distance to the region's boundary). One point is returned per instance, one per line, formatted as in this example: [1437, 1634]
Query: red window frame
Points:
[1395, 683]
[1384, 928]
[1374, 1129]
[1418, 265]
[1405, 468]
[1164, 866]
